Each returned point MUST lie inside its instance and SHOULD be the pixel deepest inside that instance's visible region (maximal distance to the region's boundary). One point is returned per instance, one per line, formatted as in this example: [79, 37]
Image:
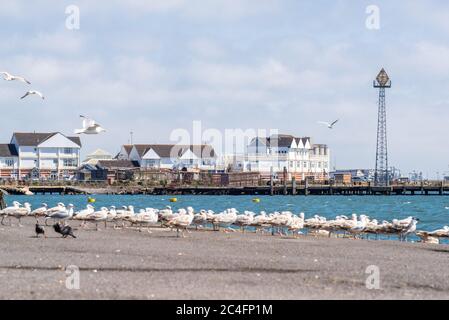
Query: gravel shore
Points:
[127, 264]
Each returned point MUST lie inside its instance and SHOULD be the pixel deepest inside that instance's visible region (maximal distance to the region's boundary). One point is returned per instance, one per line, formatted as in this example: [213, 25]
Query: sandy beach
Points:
[129, 264]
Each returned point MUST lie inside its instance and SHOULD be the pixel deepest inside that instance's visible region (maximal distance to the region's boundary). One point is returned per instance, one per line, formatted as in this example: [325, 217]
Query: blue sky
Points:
[155, 66]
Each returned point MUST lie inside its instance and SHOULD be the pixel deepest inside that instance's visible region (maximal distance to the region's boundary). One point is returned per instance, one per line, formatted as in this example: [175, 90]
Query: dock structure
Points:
[31, 190]
[304, 190]
[292, 189]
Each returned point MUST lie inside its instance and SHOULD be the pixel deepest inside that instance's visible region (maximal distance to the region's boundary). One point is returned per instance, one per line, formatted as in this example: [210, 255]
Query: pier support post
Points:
[271, 182]
[294, 186]
[442, 188]
[285, 182]
[2, 201]
[306, 188]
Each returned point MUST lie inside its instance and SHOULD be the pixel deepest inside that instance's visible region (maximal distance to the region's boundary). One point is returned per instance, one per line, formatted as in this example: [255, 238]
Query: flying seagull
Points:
[90, 126]
[329, 125]
[31, 92]
[9, 77]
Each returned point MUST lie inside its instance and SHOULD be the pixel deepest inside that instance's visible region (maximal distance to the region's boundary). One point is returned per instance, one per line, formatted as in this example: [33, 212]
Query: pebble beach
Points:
[127, 264]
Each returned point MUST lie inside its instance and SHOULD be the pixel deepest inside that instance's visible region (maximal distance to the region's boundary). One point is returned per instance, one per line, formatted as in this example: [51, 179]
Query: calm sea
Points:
[432, 210]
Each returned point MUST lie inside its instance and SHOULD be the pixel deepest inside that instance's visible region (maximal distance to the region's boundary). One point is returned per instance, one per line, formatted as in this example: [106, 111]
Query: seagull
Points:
[21, 212]
[181, 221]
[329, 125]
[7, 211]
[90, 126]
[40, 212]
[63, 214]
[9, 77]
[99, 216]
[31, 92]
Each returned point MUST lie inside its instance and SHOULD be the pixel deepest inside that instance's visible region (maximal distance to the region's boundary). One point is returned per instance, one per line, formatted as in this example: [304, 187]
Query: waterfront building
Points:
[96, 156]
[298, 157]
[124, 153]
[170, 156]
[108, 170]
[8, 161]
[45, 156]
[358, 175]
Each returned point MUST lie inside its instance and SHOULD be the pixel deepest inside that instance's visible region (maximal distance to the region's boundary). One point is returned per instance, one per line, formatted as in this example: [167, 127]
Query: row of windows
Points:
[313, 164]
[64, 150]
[65, 162]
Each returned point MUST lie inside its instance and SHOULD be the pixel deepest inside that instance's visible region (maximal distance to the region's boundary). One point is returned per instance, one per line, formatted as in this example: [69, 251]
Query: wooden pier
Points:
[290, 189]
[304, 190]
[31, 190]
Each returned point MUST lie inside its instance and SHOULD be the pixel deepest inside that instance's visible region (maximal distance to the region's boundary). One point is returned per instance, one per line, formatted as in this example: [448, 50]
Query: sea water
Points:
[433, 211]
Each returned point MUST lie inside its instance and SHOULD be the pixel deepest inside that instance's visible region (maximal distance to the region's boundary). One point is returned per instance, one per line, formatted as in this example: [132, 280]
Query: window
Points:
[69, 163]
[150, 163]
[9, 162]
[67, 151]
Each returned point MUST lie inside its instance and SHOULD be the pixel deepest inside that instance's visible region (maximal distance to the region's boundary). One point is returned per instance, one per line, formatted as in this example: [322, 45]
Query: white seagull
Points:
[90, 126]
[329, 125]
[9, 77]
[33, 92]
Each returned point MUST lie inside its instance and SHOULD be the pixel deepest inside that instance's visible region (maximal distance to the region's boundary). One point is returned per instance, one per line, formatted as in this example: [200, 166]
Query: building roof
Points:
[128, 148]
[32, 139]
[100, 153]
[281, 140]
[165, 150]
[8, 150]
[117, 164]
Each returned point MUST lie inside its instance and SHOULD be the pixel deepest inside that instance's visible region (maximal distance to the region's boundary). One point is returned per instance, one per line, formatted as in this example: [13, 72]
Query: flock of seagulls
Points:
[230, 220]
[90, 126]
[9, 77]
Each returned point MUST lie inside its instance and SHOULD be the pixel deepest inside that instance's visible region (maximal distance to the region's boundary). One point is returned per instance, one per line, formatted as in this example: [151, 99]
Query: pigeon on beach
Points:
[39, 230]
[64, 230]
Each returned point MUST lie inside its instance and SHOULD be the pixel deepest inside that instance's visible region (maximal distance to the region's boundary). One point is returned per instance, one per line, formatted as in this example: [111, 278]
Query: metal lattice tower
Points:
[381, 174]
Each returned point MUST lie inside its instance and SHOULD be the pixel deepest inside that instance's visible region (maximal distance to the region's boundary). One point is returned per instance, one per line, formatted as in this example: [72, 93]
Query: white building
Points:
[40, 155]
[96, 156]
[298, 156]
[169, 156]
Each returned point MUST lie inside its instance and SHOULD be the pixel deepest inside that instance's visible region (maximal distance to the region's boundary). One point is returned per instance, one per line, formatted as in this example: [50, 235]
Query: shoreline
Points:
[215, 265]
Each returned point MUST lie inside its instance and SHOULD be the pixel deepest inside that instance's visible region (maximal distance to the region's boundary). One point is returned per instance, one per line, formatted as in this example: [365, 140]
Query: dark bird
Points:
[64, 230]
[39, 230]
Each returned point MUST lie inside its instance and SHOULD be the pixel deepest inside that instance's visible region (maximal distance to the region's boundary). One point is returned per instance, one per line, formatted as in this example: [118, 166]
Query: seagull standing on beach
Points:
[21, 212]
[5, 212]
[63, 214]
[329, 125]
[33, 92]
[90, 126]
[181, 221]
[40, 212]
[9, 77]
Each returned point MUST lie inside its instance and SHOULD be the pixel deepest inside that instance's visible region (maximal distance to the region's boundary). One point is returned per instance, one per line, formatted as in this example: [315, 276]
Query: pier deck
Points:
[342, 190]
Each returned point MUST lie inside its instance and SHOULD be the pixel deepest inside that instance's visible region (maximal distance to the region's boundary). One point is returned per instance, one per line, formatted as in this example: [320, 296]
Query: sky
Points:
[155, 66]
